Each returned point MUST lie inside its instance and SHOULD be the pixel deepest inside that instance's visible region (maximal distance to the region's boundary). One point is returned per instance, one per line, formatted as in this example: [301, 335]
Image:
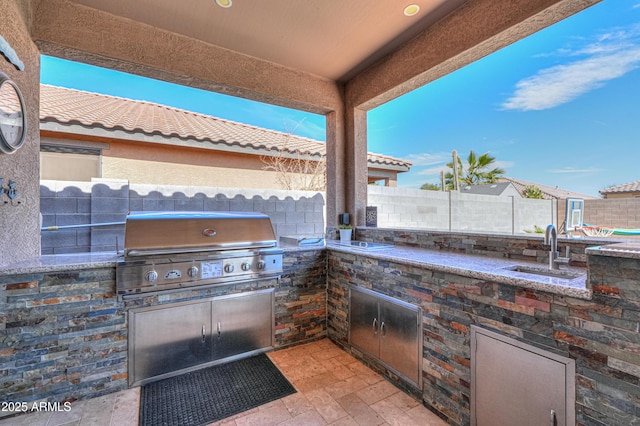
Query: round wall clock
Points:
[13, 117]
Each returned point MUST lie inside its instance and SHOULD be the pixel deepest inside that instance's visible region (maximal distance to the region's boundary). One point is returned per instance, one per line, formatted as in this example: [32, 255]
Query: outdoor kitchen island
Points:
[596, 324]
[64, 333]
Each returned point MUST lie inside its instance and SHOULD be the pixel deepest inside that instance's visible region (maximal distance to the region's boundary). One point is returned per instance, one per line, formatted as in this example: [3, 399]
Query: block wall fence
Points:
[65, 203]
[300, 212]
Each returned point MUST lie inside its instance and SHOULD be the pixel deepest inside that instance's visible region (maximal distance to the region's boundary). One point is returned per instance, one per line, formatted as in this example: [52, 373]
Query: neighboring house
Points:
[627, 190]
[89, 135]
[548, 192]
[501, 189]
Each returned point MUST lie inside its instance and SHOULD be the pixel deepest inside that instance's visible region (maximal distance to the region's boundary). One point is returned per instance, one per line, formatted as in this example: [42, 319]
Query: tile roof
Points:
[548, 192]
[627, 187]
[70, 106]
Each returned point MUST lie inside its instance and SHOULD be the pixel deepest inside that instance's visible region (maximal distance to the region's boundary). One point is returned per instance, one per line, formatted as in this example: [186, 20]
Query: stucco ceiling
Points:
[333, 39]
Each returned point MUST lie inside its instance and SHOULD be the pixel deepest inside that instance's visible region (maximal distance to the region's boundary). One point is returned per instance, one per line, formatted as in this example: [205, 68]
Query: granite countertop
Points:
[630, 250]
[61, 262]
[480, 267]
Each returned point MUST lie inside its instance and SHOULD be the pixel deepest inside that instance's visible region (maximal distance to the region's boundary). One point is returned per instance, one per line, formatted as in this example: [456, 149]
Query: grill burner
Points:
[171, 250]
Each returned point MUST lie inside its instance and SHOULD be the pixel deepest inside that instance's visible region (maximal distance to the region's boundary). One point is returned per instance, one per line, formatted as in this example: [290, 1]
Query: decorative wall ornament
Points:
[10, 191]
[13, 116]
[11, 55]
[372, 216]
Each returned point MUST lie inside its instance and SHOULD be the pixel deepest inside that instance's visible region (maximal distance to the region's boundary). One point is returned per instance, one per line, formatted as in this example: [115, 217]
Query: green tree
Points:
[431, 186]
[477, 170]
[532, 191]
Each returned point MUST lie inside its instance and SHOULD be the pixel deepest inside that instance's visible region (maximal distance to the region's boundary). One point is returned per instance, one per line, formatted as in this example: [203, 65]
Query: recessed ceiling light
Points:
[411, 10]
[224, 3]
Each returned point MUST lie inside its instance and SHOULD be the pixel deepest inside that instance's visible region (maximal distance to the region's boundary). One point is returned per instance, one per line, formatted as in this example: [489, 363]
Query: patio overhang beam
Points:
[475, 30]
[72, 31]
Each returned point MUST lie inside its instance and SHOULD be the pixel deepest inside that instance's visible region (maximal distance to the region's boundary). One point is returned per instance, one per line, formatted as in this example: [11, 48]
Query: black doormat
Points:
[212, 394]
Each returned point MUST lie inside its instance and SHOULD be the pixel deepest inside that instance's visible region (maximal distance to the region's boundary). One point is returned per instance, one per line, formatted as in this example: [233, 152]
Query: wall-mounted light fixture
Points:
[411, 10]
[224, 3]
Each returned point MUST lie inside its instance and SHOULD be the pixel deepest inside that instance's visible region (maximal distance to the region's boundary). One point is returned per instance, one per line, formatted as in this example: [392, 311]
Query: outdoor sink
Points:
[554, 273]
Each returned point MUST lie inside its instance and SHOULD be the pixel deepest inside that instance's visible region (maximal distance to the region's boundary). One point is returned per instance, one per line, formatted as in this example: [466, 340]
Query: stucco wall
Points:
[19, 237]
[618, 195]
[158, 164]
[165, 173]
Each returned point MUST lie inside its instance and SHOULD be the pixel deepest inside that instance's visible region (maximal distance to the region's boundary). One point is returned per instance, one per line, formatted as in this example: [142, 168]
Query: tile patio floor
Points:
[333, 389]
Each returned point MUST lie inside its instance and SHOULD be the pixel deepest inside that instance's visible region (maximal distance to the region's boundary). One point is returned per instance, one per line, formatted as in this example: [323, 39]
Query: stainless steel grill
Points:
[172, 250]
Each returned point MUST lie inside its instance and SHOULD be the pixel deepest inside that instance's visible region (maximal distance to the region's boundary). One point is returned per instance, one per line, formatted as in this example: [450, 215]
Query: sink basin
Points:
[367, 246]
[555, 273]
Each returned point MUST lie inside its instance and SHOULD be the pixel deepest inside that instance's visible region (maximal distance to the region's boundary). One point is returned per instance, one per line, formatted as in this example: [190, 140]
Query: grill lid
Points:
[149, 233]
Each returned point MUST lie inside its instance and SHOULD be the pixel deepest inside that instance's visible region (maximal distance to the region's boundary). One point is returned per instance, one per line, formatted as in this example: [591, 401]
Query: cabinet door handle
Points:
[204, 333]
[382, 329]
[218, 329]
[375, 326]
[552, 418]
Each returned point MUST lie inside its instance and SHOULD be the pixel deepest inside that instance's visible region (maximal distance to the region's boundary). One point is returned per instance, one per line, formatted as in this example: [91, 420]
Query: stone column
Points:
[20, 219]
[336, 178]
[356, 164]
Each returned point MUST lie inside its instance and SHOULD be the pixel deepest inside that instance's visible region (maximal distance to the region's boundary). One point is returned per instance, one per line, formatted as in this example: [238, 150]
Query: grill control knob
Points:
[228, 268]
[193, 272]
[151, 276]
[261, 264]
[246, 266]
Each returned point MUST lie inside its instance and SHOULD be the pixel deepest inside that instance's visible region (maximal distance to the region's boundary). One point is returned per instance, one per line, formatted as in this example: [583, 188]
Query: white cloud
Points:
[433, 171]
[503, 164]
[611, 56]
[572, 170]
[427, 159]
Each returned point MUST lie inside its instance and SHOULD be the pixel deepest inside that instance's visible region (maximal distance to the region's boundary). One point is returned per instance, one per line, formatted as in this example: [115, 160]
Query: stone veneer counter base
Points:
[479, 267]
[600, 334]
[63, 328]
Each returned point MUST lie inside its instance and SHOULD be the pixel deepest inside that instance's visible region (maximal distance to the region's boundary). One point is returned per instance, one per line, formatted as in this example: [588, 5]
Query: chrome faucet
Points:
[551, 240]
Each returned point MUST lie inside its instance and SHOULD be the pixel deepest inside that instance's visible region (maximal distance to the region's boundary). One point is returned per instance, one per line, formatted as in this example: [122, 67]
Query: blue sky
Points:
[561, 108]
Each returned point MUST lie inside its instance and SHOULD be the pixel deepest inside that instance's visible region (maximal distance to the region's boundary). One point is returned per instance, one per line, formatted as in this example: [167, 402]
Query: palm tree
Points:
[532, 191]
[430, 187]
[475, 172]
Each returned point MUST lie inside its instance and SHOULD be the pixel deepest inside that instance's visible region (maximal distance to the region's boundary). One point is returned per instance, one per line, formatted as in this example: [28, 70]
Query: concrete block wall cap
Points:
[143, 190]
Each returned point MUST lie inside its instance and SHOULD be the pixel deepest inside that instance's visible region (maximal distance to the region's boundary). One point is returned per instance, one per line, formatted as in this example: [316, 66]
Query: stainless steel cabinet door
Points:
[242, 323]
[399, 336]
[513, 383]
[170, 339]
[364, 322]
